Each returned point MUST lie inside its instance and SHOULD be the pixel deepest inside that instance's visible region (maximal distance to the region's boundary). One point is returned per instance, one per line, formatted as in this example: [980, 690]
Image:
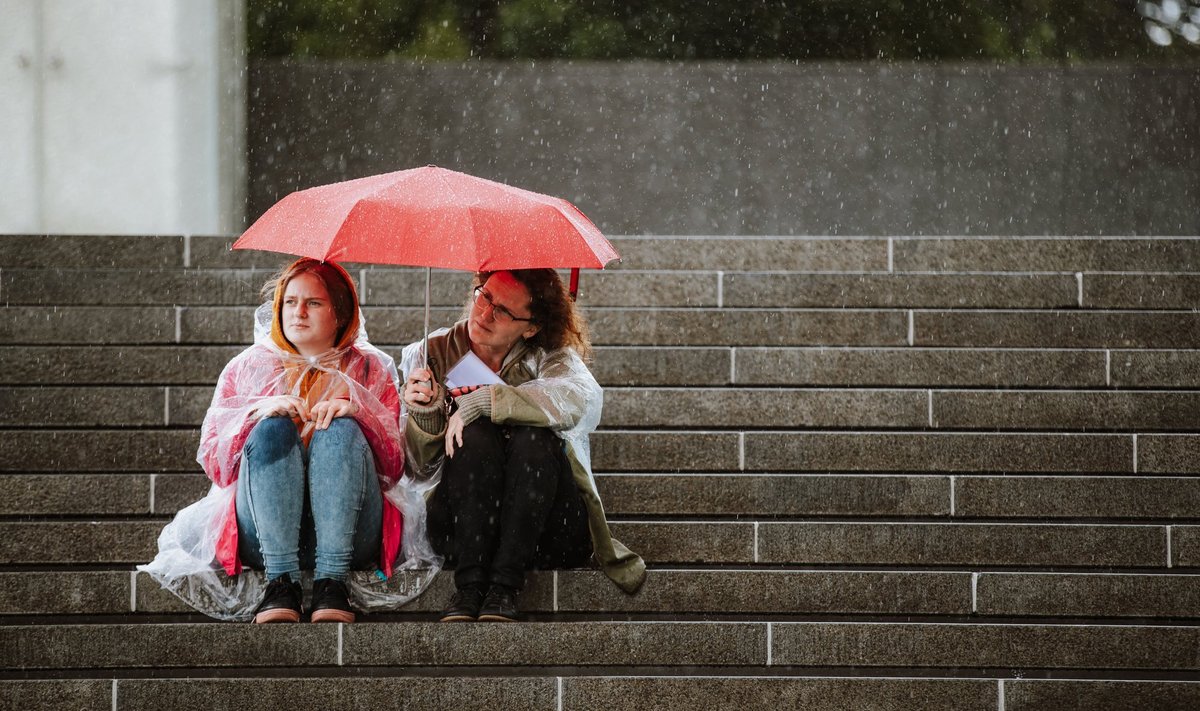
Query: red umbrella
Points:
[432, 217]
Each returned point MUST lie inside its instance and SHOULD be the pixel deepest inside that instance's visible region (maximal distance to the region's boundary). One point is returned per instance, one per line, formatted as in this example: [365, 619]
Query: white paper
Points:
[470, 370]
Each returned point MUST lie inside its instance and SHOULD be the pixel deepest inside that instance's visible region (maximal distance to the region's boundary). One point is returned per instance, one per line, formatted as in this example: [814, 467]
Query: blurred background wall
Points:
[760, 147]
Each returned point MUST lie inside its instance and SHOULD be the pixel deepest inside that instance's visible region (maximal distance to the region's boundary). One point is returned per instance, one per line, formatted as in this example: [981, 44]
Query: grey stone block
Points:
[1097, 200]
[414, 693]
[655, 644]
[614, 366]
[222, 325]
[1086, 695]
[735, 327]
[812, 694]
[900, 290]
[98, 450]
[1165, 116]
[1155, 369]
[56, 494]
[86, 324]
[937, 452]
[42, 406]
[1141, 291]
[19, 695]
[1185, 546]
[773, 592]
[810, 254]
[1046, 254]
[57, 593]
[687, 542]
[90, 251]
[1088, 595]
[918, 367]
[787, 495]
[114, 365]
[961, 544]
[1168, 454]
[166, 646]
[213, 252]
[174, 491]
[1057, 329]
[979, 646]
[1076, 497]
[81, 542]
[1065, 410]
[188, 405]
[745, 408]
[136, 287]
[664, 451]
[607, 288]
[152, 598]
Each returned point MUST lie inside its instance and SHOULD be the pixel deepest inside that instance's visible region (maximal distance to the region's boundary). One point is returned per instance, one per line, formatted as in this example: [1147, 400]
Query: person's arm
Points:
[563, 395]
[425, 417]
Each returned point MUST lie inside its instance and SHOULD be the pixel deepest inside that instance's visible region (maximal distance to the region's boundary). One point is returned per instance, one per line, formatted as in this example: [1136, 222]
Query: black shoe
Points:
[500, 605]
[331, 601]
[281, 603]
[464, 606]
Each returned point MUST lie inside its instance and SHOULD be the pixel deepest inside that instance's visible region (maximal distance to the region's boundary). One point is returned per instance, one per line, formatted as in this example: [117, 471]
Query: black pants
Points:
[507, 503]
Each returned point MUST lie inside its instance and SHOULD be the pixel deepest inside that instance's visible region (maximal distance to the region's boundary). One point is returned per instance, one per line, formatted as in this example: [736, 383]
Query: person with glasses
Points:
[509, 461]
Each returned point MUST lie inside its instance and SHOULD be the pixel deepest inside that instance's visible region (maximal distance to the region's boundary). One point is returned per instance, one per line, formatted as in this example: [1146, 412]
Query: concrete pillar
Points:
[122, 117]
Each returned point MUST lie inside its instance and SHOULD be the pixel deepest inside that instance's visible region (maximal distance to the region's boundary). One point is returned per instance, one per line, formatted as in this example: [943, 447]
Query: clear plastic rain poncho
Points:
[197, 557]
[562, 395]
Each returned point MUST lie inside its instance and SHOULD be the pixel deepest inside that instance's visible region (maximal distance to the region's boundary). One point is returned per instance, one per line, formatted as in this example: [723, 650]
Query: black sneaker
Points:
[331, 601]
[281, 603]
[500, 605]
[464, 606]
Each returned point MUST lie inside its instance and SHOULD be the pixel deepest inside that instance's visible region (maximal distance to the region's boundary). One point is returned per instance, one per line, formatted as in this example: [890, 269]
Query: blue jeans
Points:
[318, 508]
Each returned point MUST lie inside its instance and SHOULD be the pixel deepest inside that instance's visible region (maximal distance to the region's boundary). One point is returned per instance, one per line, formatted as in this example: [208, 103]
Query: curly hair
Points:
[560, 323]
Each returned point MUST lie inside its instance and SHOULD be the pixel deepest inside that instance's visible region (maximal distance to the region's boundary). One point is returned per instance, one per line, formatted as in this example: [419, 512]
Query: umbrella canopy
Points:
[431, 217]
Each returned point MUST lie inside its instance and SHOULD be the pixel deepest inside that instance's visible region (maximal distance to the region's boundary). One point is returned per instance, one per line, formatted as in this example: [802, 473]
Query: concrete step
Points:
[762, 497]
[112, 542]
[784, 594]
[176, 364]
[710, 408]
[737, 253]
[35, 325]
[1049, 254]
[666, 592]
[173, 450]
[615, 693]
[750, 645]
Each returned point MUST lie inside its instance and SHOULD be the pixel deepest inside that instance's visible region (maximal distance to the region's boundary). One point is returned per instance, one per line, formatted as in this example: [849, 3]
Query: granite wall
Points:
[758, 148]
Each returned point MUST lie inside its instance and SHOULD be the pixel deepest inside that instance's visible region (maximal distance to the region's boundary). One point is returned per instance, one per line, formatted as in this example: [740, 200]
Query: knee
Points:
[480, 433]
[535, 439]
[272, 439]
[342, 433]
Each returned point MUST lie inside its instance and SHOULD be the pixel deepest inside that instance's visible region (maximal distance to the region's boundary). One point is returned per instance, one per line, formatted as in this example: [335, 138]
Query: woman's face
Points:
[308, 318]
[493, 331]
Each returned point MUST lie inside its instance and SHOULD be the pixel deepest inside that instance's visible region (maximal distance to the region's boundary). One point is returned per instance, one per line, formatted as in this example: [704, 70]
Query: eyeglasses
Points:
[501, 314]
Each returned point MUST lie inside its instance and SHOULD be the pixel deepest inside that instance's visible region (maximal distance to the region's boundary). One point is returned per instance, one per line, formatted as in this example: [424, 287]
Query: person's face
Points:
[489, 326]
[308, 318]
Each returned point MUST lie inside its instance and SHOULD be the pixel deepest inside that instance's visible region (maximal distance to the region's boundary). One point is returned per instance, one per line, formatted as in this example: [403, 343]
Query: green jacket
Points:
[543, 389]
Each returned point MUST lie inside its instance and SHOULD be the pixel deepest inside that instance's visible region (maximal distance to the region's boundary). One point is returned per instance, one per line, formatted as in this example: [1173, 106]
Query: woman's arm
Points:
[563, 396]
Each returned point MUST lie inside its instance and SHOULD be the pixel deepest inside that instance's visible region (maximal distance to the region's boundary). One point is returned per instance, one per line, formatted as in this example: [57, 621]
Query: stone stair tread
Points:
[739, 542]
[698, 451]
[752, 496]
[626, 644]
[615, 693]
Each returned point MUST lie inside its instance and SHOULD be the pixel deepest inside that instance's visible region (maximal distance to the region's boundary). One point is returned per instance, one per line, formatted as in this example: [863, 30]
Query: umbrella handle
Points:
[574, 283]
